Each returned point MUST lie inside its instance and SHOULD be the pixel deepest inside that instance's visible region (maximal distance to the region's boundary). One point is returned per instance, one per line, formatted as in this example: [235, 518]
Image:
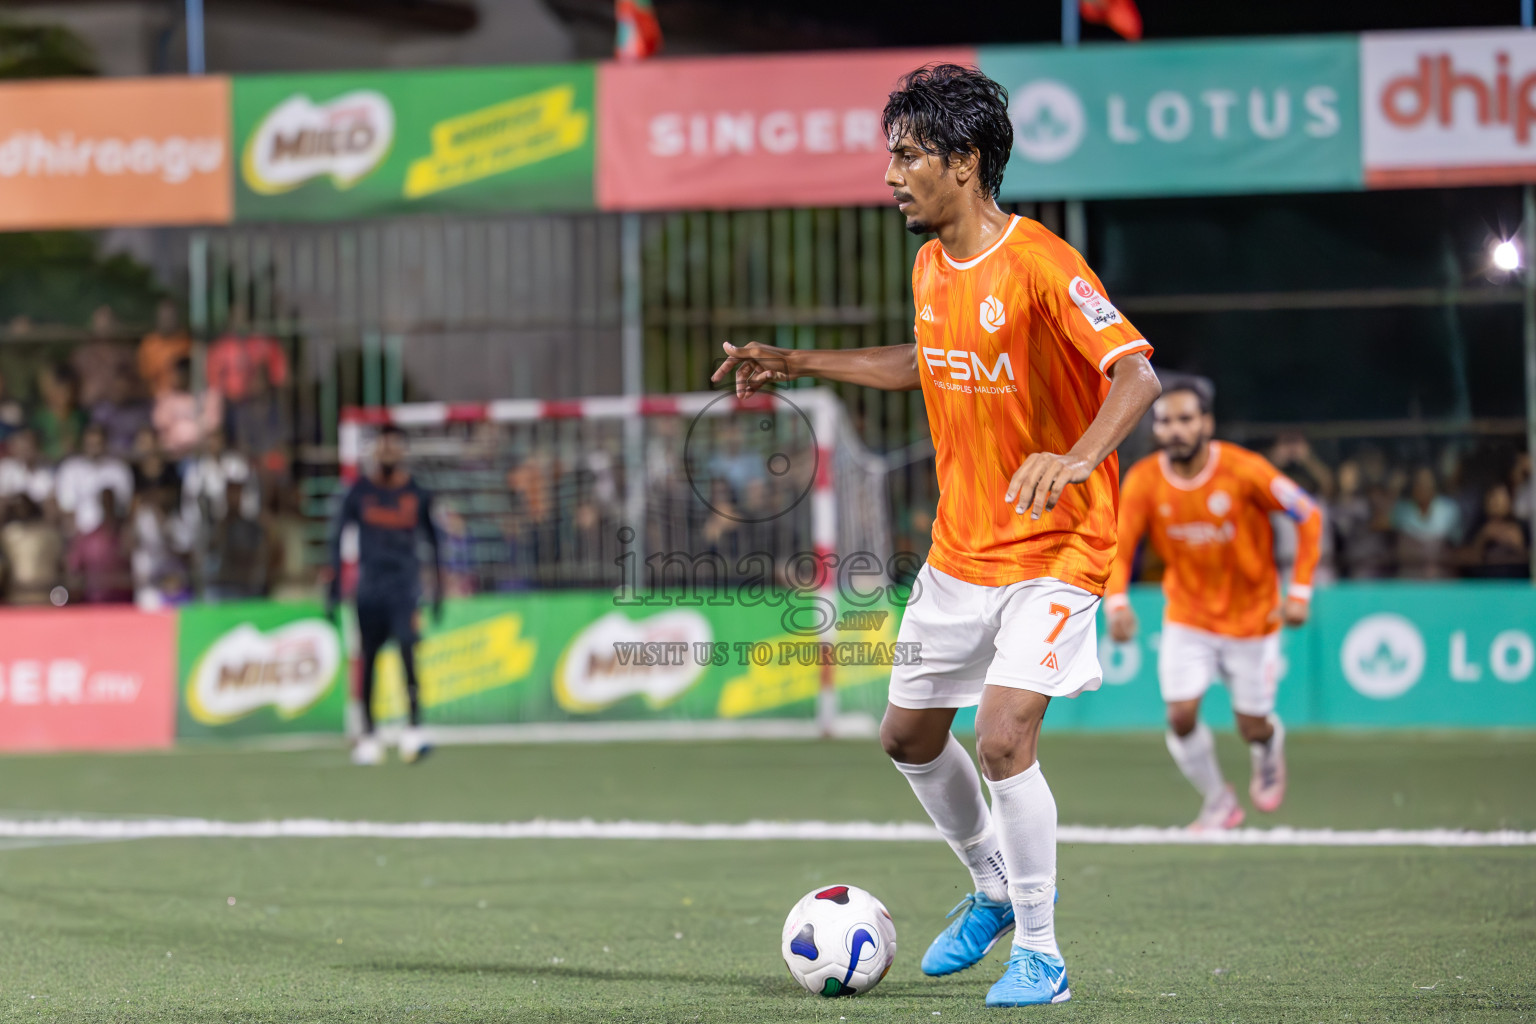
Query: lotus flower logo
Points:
[1382, 656]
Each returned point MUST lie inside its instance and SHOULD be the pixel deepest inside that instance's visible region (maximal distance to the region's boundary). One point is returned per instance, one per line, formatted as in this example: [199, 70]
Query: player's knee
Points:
[1182, 720]
[906, 741]
[1006, 742]
[1254, 729]
[900, 744]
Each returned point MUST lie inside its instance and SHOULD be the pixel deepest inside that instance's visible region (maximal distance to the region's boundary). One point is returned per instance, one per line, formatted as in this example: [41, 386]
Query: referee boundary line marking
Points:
[110, 829]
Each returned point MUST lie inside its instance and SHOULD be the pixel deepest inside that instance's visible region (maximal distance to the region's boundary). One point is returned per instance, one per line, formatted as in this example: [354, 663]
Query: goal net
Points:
[688, 500]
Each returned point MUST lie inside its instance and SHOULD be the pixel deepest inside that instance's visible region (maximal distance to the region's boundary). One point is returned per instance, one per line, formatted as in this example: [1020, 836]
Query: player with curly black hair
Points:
[1031, 379]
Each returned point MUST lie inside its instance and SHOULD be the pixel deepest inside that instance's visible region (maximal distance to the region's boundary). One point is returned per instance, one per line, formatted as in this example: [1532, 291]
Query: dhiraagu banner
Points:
[1181, 118]
[258, 667]
[362, 144]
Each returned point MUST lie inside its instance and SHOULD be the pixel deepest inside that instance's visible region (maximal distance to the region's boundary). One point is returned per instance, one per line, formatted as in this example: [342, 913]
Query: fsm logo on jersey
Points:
[1382, 656]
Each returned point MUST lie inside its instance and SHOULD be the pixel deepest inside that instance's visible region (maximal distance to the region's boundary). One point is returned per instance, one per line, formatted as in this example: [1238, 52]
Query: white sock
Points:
[1264, 749]
[949, 788]
[1025, 812]
[1195, 755]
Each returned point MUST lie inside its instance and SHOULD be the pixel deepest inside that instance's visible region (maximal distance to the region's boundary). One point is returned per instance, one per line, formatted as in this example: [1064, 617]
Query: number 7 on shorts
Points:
[1065, 613]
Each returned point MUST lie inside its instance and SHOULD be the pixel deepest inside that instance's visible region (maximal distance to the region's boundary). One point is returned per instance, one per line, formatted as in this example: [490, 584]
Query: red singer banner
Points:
[749, 132]
[87, 679]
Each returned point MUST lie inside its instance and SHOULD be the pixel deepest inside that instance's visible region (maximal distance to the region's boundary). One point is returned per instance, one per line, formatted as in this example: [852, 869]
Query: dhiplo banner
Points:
[256, 667]
[86, 679]
[336, 146]
[749, 132]
[114, 153]
[1181, 118]
[1449, 108]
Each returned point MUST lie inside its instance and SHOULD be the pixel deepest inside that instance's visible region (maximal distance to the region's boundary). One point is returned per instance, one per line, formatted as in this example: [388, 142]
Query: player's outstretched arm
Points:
[1309, 547]
[1037, 485]
[887, 367]
[348, 513]
[1134, 506]
[428, 526]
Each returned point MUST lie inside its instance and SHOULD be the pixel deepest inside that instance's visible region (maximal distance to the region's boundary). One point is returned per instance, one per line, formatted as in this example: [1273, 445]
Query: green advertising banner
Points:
[1377, 655]
[365, 144]
[1405, 654]
[258, 667]
[579, 656]
[1372, 656]
[1181, 118]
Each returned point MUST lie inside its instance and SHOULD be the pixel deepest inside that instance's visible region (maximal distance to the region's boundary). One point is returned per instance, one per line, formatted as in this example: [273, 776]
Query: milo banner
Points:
[1181, 118]
[258, 667]
[366, 144]
[579, 656]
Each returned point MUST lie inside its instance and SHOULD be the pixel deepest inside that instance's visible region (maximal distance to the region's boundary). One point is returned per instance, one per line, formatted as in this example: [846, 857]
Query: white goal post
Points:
[562, 477]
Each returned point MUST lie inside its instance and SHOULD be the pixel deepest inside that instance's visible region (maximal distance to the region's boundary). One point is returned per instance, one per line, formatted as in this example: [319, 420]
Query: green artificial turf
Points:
[568, 931]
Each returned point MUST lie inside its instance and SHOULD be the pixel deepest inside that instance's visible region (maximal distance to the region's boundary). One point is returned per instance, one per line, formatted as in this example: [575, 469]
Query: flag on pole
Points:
[639, 31]
[1121, 16]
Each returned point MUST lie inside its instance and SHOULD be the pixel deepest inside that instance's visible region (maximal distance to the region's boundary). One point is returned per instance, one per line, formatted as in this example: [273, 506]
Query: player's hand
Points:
[1122, 625]
[1296, 611]
[1038, 484]
[754, 365]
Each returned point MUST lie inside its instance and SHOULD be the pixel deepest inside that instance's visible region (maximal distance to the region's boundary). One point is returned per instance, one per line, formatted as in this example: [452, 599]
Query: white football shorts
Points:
[1189, 660]
[1035, 635]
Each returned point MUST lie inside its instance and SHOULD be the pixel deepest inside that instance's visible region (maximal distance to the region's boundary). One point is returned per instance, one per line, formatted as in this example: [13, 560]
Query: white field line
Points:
[586, 828]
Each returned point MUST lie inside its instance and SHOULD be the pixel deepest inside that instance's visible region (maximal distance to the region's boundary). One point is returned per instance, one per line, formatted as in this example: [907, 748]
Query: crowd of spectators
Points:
[1466, 513]
[127, 476]
[121, 481]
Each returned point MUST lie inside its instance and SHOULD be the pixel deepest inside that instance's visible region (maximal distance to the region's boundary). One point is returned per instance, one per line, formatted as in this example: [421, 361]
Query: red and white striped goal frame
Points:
[820, 405]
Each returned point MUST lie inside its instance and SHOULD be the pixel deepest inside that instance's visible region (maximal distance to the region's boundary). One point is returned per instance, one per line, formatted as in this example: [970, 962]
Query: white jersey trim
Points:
[968, 264]
[1200, 479]
[1116, 353]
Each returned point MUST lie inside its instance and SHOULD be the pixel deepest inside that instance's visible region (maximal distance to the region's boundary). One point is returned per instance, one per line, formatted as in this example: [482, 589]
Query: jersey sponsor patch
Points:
[1095, 306]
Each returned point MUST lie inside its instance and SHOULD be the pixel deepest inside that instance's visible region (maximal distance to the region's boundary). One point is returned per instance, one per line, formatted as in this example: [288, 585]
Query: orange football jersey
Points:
[1214, 533]
[1013, 348]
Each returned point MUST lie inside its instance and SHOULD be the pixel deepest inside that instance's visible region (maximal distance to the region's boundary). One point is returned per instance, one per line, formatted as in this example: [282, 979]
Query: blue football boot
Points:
[1032, 979]
[971, 936]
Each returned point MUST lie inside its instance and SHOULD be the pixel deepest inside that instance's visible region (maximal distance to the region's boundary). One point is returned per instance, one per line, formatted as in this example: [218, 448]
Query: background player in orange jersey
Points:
[1206, 506]
[1031, 379]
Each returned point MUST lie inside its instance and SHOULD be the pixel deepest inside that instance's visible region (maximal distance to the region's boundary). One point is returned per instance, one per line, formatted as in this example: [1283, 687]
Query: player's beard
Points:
[1187, 452]
[918, 226]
